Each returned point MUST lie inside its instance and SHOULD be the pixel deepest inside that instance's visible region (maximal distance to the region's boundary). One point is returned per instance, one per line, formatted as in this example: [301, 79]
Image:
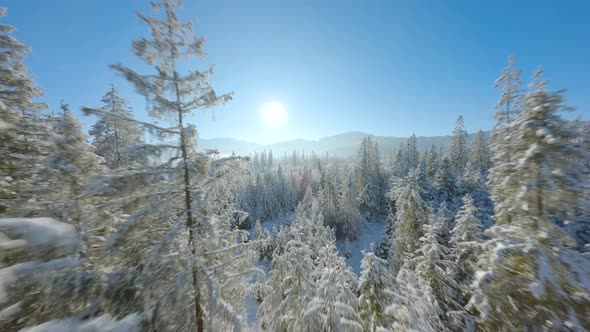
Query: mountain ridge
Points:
[340, 145]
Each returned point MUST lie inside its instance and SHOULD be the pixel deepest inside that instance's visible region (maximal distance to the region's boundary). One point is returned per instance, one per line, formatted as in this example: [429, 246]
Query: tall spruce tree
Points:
[501, 137]
[532, 278]
[187, 191]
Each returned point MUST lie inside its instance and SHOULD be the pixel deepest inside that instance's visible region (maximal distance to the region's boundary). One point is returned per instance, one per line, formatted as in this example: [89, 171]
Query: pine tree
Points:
[368, 178]
[375, 284]
[187, 192]
[432, 159]
[445, 182]
[501, 137]
[479, 155]
[412, 152]
[290, 287]
[411, 214]
[291, 283]
[413, 308]
[459, 150]
[509, 104]
[432, 265]
[334, 306]
[178, 95]
[348, 215]
[546, 148]
[400, 167]
[466, 240]
[442, 224]
[531, 278]
[328, 197]
[113, 135]
[69, 167]
[23, 133]
[263, 237]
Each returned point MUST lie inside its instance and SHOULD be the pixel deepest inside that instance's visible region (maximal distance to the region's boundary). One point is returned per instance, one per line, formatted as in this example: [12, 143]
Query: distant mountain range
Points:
[341, 145]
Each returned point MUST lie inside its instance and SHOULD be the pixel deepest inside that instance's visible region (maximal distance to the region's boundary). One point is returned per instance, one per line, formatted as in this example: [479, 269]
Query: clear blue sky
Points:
[382, 67]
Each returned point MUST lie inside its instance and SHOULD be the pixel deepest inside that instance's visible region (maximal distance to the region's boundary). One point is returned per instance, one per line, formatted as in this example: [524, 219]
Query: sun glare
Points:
[273, 114]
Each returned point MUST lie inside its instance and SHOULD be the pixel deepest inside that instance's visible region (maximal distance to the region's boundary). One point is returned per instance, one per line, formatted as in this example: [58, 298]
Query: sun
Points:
[273, 114]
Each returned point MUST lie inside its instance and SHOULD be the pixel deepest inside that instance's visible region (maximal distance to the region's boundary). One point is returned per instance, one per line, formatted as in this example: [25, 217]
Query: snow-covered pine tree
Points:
[546, 148]
[23, 134]
[400, 167]
[459, 150]
[442, 224]
[290, 287]
[474, 184]
[375, 283]
[509, 86]
[349, 217]
[194, 270]
[69, 168]
[412, 152]
[334, 306]
[479, 154]
[396, 187]
[466, 241]
[445, 182]
[412, 212]
[432, 267]
[263, 237]
[501, 137]
[432, 158]
[579, 227]
[413, 308]
[112, 135]
[531, 277]
[426, 183]
[328, 199]
[369, 179]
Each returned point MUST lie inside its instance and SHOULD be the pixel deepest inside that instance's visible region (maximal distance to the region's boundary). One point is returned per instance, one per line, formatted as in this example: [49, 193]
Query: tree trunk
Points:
[190, 219]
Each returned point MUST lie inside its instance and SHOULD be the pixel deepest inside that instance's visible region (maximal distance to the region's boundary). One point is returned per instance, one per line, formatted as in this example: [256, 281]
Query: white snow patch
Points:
[10, 311]
[40, 232]
[282, 219]
[12, 273]
[104, 323]
[371, 233]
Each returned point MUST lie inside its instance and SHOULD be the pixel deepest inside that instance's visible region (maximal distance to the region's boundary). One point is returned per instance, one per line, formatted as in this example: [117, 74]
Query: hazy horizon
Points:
[332, 135]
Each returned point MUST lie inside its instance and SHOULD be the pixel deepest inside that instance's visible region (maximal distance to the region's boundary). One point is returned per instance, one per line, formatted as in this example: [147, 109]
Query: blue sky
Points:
[383, 67]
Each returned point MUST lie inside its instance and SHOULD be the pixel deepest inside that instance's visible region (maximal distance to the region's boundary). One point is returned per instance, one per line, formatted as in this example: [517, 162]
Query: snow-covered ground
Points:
[371, 233]
[282, 219]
